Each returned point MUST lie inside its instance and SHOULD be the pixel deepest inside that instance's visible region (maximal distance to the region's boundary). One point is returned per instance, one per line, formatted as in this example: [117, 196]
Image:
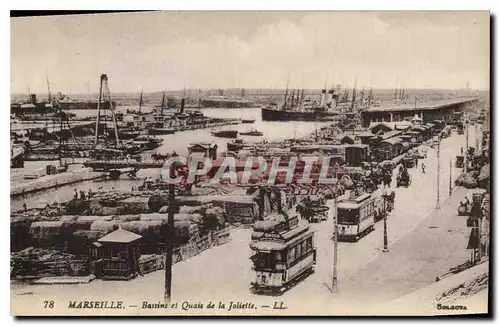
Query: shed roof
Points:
[120, 236]
[421, 106]
[393, 140]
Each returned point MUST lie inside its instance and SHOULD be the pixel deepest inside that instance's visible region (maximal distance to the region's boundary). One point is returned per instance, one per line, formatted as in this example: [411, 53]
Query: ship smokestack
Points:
[323, 93]
[329, 97]
[33, 98]
[182, 105]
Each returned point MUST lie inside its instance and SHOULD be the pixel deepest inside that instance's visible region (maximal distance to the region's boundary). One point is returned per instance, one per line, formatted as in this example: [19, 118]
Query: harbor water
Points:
[177, 142]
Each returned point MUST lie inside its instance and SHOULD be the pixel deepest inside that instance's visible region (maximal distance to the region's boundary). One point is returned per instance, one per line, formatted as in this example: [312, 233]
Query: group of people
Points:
[90, 193]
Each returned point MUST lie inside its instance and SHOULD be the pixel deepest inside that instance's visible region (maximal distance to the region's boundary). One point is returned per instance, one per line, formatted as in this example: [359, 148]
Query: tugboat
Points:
[225, 133]
[252, 132]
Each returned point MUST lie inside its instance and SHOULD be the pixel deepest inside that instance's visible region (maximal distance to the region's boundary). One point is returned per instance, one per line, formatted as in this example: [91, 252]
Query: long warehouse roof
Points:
[431, 105]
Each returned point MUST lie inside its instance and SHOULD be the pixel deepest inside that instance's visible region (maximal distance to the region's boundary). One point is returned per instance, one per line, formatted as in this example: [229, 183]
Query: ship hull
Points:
[83, 105]
[206, 103]
[282, 115]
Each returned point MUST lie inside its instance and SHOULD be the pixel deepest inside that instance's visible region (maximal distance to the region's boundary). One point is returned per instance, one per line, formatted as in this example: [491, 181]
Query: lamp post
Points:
[386, 245]
[170, 240]
[451, 167]
[438, 204]
[335, 246]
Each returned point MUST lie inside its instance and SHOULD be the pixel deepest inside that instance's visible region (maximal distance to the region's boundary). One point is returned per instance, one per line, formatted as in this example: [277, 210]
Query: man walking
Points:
[423, 168]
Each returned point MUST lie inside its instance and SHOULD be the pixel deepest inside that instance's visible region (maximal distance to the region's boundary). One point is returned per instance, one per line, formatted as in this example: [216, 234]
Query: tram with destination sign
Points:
[357, 215]
[284, 253]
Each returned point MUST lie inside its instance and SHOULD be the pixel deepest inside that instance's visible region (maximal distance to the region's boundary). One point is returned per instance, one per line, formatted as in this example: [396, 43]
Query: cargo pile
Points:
[37, 262]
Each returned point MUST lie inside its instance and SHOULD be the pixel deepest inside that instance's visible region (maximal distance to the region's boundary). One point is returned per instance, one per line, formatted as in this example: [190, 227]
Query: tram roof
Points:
[348, 205]
[283, 241]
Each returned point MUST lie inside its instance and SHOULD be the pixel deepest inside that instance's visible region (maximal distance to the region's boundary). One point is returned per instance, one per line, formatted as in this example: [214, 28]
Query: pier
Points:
[21, 186]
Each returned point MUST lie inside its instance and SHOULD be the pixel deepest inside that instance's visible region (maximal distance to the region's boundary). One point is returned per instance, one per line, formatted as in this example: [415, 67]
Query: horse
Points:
[159, 157]
[387, 180]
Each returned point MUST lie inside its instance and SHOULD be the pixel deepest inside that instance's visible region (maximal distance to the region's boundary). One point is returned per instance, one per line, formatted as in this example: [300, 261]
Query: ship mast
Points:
[162, 103]
[48, 86]
[354, 93]
[104, 88]
[140, 101]
[286, 91]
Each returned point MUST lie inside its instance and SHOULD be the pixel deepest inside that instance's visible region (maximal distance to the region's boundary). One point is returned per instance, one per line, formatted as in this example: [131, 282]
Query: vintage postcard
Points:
[284, 163]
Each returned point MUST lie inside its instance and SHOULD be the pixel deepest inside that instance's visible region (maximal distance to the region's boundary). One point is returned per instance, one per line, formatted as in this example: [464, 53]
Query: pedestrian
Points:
[462, 151]
[82, 194]
[25, 207]
[76, 194]
[423, 168]
[467, 202]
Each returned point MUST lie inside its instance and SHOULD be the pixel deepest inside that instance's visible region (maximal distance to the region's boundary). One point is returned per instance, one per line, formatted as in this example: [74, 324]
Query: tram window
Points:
[263, 260]
[348, 216]
[304, 249]
[291, 254]
[309, 243]
[298, 251]
[278, 256]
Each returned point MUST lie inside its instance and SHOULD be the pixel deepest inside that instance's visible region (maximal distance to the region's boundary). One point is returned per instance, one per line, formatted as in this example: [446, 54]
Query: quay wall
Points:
[52, 181]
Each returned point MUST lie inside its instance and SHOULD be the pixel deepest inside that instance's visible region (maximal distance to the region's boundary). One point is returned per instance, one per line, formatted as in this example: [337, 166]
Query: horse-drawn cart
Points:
[403, 179]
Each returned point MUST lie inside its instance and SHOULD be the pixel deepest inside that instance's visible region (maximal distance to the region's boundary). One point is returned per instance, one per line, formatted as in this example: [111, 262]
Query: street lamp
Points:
[335, 245]
[450, 189]
[438, 204]
[386, 245]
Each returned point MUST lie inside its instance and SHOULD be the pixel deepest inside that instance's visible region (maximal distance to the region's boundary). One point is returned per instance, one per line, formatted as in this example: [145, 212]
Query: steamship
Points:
[297, 108]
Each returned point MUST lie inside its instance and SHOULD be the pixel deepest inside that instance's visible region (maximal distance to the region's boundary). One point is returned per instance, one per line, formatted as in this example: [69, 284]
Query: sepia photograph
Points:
[250, 163]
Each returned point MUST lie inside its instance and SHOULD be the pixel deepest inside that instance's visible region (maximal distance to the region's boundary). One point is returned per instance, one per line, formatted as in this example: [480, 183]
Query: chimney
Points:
[182, 105]
[330, 96]
[33, 98]
[323, 93]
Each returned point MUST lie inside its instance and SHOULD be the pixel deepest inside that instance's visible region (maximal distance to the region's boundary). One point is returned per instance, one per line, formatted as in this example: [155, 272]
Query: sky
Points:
[158, 51]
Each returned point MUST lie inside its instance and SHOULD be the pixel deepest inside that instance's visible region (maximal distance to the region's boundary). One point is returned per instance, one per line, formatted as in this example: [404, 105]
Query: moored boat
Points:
[225, 133]
[252, 132]
[247, 120]
[161, 131]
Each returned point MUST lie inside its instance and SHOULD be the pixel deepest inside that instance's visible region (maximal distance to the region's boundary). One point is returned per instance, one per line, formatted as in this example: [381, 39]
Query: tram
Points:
[282, 256]
[357, 216]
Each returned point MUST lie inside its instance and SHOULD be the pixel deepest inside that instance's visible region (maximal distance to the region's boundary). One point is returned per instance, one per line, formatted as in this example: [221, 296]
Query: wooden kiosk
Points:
[120, 255]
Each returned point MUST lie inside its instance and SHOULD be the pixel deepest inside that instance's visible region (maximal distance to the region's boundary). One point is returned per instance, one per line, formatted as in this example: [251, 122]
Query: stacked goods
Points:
[82, 240]
[53, 233]
[138, 205]
[20, 232]
[77, 207]
[153, 217]
[105, 226]
[467, 180]
[85, 222]
[194, 209]
[152, 231]
[155, 202]
[214, 218]
[192, 218]
[127, 218]
[40, 262]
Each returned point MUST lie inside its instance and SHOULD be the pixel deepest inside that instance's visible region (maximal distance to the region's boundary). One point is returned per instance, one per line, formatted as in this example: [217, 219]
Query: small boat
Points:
[225, 133]
[247, 120]
[235, 145]
[252, 133]
[147, 142]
